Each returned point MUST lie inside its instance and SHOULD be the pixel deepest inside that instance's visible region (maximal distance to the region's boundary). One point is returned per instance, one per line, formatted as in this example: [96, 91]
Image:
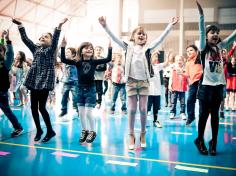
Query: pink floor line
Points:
[65, 154]
[4, 153]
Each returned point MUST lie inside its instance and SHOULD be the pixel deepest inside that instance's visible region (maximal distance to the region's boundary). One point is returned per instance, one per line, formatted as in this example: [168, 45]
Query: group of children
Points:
[137, 77]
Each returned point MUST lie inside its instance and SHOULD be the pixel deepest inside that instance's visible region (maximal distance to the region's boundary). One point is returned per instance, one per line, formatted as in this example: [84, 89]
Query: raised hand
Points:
[3, 33]
[7, 35]
[17, 22]
[199, 8]
[62, 22]
[234, 44]
[174, 20]
[102, 21]
[63, 42]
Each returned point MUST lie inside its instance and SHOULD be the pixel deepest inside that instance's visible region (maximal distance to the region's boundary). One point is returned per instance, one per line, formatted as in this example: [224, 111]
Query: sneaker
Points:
[124, 112]
[62, 113]
[17, 132]
[112, 112]
[201, 146]
[98, 106]
[157, 124]
[172, 116]
[189, 121]
[222, 115]
[83, 136]
[92, 135]
[183, 116]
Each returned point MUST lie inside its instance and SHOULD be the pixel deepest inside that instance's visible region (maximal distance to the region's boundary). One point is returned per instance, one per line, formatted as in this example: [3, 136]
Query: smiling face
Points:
[87, 52]
[191, 52]
[213, 37]
[139, 37]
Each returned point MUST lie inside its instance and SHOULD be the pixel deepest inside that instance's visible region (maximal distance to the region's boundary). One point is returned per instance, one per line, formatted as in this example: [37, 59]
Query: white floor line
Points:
[194, 169]
[122, 163]
[176, 132]
[225, 123]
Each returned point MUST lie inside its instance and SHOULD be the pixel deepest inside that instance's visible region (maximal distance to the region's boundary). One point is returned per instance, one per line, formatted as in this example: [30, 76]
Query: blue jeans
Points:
[174, 97]
[4, 105]
[67, 87]
[192, 96]
[116, 89]
[87, 96]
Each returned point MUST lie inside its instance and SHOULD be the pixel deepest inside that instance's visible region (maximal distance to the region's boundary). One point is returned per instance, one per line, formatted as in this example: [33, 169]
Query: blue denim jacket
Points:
[69, 73]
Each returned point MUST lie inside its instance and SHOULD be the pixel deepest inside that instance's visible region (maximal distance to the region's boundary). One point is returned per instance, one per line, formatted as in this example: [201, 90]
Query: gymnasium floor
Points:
[170, 150]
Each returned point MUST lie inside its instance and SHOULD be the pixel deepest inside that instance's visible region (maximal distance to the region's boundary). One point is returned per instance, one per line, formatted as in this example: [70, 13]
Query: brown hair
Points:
[84, 45]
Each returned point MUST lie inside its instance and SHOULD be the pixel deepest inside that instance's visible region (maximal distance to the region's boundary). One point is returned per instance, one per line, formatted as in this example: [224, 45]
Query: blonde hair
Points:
[139, 28]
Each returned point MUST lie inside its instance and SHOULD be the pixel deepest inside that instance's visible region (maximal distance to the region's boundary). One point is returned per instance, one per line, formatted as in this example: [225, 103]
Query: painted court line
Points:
[120, 156]
[175, 132]
[2, 153]
[65, 154]
[122, 163]
[194, 169]
[225, 123]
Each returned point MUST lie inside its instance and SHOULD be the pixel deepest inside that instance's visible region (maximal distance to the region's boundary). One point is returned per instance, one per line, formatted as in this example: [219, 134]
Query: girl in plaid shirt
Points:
[41, 76]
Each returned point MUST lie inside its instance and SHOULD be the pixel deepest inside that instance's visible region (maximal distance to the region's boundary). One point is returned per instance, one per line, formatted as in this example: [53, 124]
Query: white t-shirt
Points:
[155, 81]
[137, 68]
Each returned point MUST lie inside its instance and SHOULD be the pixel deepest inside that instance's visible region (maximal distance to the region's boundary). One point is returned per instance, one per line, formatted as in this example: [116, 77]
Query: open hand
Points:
[62, 22]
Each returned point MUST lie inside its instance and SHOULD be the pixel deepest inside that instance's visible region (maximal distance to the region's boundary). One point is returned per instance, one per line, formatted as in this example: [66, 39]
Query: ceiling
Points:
[39, 16]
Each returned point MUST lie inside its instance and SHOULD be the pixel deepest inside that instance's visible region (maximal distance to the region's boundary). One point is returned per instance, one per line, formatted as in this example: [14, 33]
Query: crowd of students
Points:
[208, 74]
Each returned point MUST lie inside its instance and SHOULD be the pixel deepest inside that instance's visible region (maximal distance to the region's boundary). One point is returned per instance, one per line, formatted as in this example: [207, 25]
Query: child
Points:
[154, 97]
[86, 65]
[20, 70]
[178, 85]
[6, 60]
[137, 75]
[70, 82]
[166, 76]
[210, 92]
[231, 80]
[99, 75]
[118, 84]
[194, 73]
[41, 76]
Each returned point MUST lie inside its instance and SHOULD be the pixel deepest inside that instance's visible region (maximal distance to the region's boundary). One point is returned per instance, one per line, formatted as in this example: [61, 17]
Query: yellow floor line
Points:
[120, 156]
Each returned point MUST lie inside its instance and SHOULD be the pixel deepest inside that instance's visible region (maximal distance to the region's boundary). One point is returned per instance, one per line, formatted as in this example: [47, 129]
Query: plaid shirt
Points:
[42, 72]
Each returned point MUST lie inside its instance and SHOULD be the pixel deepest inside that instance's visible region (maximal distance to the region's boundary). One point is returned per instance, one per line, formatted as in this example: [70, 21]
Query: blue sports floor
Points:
[170, 150]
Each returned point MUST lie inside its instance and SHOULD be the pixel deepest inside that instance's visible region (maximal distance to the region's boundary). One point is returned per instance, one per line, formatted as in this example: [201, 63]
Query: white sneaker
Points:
[157, 124]
[183, 116]
[172, 116]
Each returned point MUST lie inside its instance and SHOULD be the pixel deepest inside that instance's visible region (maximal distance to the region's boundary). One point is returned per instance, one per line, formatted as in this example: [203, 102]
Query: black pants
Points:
[210, 98]
[154, 103]
[38, 103]
[99, 90]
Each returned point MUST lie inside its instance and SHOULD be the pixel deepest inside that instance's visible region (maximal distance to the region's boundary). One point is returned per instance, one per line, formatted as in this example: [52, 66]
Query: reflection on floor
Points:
[170, 149]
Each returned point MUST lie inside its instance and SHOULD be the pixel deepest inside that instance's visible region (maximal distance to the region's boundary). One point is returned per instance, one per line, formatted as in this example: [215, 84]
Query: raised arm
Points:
[24, 36]
[9, 55]
[160, 39]
[102, 21]
[202, 29]
[231, 51]
[56, 35]
[228, 40]
[63, 56]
